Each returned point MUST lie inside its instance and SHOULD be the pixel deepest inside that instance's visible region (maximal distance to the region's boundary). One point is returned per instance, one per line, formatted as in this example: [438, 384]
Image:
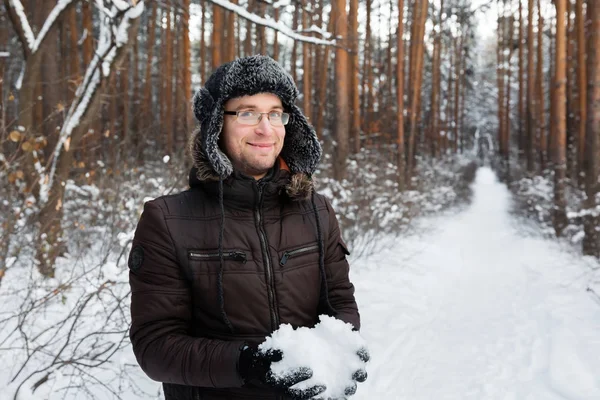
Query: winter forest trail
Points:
[477, 309]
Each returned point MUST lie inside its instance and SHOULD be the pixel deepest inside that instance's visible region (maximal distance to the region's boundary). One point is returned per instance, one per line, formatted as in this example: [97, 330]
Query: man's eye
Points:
[246, 114]
[275, 114]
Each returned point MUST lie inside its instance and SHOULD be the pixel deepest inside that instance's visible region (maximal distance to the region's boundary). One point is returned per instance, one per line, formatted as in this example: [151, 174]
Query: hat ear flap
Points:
[301, 147]
[203, 105]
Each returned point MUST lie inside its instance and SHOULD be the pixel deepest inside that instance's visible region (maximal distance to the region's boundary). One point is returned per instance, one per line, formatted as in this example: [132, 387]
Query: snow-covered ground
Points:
[475, 308]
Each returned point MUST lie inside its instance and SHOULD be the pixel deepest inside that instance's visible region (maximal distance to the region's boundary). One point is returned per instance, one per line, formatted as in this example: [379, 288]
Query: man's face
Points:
[252, 149]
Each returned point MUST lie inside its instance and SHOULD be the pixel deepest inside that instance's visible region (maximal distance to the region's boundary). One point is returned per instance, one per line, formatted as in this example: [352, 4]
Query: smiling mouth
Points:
[261, 145]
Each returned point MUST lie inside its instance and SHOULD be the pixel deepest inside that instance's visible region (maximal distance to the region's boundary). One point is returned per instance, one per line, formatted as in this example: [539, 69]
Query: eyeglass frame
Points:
[260, 116]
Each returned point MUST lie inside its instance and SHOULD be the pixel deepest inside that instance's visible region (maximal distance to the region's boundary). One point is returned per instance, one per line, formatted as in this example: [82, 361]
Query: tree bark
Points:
[522, 138]
[187, 69]
[168, 76]
[582, 87]
[75, 74]
[417, 46]
[217, 36]
[435, 86]
[560, 121]
[231, 39]
[572, 100]
[591, 222]
[531, 123]
[342, 122]
[541, 105]
[307, 69]
[353, 40]
[401, 161]
[323, 79]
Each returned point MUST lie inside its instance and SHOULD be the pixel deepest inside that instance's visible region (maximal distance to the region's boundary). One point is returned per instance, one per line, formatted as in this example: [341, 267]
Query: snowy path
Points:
[477, 310]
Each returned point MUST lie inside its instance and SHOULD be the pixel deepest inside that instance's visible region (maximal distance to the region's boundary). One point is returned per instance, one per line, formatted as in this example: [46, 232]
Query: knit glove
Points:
[358, 376]
[255, 369]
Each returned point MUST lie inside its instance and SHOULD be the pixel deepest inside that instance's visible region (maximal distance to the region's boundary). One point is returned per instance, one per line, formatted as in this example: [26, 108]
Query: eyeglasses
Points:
[276, 118]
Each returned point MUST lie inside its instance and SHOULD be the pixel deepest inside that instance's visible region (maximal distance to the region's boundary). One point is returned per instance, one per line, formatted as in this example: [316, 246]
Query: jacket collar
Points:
[280, 180]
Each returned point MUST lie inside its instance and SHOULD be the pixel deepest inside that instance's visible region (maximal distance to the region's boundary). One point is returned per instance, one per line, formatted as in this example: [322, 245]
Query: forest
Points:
[408, 98]
[103, 87]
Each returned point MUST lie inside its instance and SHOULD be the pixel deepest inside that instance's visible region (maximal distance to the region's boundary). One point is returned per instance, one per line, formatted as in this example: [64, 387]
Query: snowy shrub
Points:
[534, 198]
[369, 204]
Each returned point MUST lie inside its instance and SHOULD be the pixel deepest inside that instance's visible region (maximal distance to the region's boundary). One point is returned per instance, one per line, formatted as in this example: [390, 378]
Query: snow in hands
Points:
[332, 350]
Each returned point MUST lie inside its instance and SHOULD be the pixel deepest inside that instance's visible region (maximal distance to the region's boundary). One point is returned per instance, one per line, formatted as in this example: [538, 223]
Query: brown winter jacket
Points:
[270, 276]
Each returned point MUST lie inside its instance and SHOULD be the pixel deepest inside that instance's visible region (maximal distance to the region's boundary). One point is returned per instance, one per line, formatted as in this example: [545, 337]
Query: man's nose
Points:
[264, 125]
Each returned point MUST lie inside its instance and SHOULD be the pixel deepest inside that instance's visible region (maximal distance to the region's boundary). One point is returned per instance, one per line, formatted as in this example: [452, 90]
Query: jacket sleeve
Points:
[340, 289]
[161, 313]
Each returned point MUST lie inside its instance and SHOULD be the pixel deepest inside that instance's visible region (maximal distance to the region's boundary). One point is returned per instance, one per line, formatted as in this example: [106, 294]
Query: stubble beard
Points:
[256, 166]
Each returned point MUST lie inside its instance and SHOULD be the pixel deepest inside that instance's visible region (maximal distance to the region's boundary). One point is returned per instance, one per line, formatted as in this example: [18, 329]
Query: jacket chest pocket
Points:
[203, 262]
[299, 256]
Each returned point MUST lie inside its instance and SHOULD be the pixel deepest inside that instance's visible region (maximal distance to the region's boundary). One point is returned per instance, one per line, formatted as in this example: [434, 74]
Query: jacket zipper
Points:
[231, 255]
[267, 258]
[293, 253]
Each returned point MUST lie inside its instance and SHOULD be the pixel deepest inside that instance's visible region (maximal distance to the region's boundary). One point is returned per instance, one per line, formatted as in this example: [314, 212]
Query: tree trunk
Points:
[187, 70]
[231, 39]
[522, 138]
[507, 124]
[457, 87]
[75, 74]
[148, 115]
[591, 222]
[125, 103]
[572, 101]
[500, 77]
[323, 75]
[248, 39]
[560, 121]
[342, 122]
[203, 52]
[582, 88]
[417, 45]
[367, 77]
[306, 66]
[541, 106]
[436, 84]
[353, 39]
[168, 77]
[400, 99]
[531, 127]
[295, 17]
[216, 37]
[275, 37]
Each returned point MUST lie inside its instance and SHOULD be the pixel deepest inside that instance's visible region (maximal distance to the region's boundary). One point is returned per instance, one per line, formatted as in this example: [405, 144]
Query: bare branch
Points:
[269, 23]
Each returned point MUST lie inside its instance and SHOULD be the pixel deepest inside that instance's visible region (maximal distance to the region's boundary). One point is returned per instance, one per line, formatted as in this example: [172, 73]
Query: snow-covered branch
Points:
[50, 20]
[21, 25]
[114, 35]
[30, 41]
[270, 23]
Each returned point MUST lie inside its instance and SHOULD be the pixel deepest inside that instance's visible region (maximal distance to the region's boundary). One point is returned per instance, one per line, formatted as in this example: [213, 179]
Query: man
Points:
[248, 247]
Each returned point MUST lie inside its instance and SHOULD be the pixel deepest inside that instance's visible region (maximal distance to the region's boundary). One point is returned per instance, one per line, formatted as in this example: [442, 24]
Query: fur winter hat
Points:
[246, 77]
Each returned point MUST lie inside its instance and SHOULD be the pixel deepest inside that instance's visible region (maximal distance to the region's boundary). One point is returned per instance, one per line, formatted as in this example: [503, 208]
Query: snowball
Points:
[166, 159]
[329, 349]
